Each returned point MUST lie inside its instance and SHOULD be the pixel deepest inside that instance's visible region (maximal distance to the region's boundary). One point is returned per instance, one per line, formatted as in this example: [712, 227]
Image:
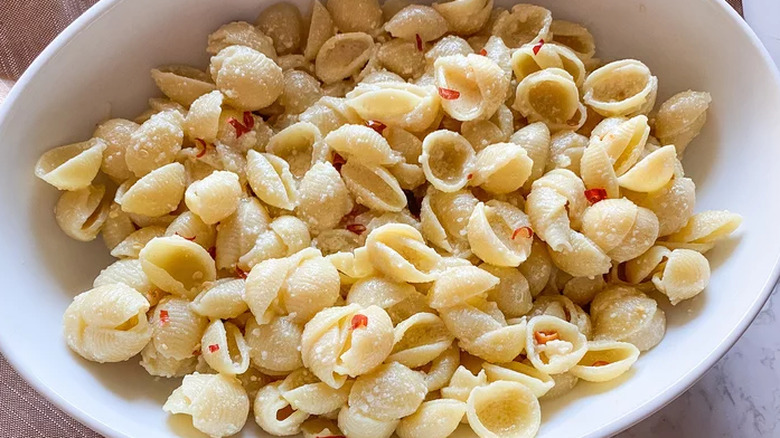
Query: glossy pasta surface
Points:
[381, 219]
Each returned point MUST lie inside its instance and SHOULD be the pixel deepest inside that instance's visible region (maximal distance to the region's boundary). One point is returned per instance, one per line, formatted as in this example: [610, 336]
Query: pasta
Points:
[217, 403]
[378, 221]
[107, 323]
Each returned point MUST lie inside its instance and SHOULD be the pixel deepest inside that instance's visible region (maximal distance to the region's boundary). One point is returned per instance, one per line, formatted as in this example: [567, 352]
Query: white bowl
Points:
[99, 67]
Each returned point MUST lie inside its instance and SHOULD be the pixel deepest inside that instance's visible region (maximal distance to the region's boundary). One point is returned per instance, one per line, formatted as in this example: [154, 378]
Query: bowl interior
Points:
[101, 70]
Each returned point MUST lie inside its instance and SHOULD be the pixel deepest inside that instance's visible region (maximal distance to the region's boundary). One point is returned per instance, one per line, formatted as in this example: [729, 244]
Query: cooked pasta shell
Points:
[177, 265]
[465, 17]
[274, 414]
[502, 168]
[352, 266]
[620, 88]
[652, 173]
[356, 15]
[622, 313]
[684, 275]
[117, 135]
[480, 83]
[605, 361]
[680, 118]
[447, 160]
[82, 213]
[357, 425]
[391, 392]
[222, 299]
[343, 55]
[182, 83]
[444, 218]
[240, 33]
[373, 186]
[401, 105]
[554, 345]
[160, 366]
[237, 234]
[512, 293]
[433, 419]
[217, 403]
[129, 272]
[537, 268]
[673, 204]
[319, 427]
[274, 346]
[248, 79]
[620, 228]
[399, 251]
[107, 323]
[563, 308]
[176, 328]
[155, 143]
[532, 57]
[524, 24]
[71, 167]
[271, 180]
[504, 409]
[457, 285]
[707, 228]
[157, 193]
[597, 170]
[223, 347]
[323, 198]
[215, 197]
[132, 245]
[549, 96]
[192, 227]
[321, 28]
[202, 121]
[566, 151]
[419, 340]
[624, 142]
[495, 233]
[574, 36]
[537, 381]
[299, 145]
[584, 259]
[362, 144]
[535, 139]
[417, 21]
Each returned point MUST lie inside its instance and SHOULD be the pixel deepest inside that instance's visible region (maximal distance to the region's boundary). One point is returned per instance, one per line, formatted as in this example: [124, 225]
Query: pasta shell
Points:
[391, 392]
[128, 272]
[117, 135]
[457, 285]
[419, 340]
[237, 234]
[684, 275]
[537, 381]
[362, 144]
[342, 56]
[554, 345]
[550, 96]
[181, 83]
[274, 414]
[707, 227]
[155, 143]
[222, 299]
[373, 186]
[605, 361]
[624, 314]
[202, 121]
[597, 170]
[274, 346]
[574, 36]
[217, 403]
[177, 329]
[417, 21]
[401, 105]
[530, 59]
[241, 33]
[566, 151]
[191, 227]
[465, 16]
[132, 245]
[82, 213]
[502, 168]
[160, 366]
[215, 197]
[505, 409]
[433, 419]
[399, 252]
[299, 145]
[248, 79]
[620, 88]
[223, 347]
[71, 167]
[356, 15]
[444, 218]
[512, 294]
[177, 265]
[447, 160]
[357, 425]
[480, 82]
[680, 118]
[524, 24]
[271, 180]
[157, 193]
[493, 233]
[321, 28]
[585, 259]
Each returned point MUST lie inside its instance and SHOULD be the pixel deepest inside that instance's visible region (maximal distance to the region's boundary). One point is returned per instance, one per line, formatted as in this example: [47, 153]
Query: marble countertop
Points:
[738, 397]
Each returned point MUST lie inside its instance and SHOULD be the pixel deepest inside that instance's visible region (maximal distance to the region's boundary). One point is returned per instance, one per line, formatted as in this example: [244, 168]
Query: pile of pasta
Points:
[381, 219]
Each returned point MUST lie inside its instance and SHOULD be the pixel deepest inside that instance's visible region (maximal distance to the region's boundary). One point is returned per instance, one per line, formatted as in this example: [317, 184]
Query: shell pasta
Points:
[376, 220]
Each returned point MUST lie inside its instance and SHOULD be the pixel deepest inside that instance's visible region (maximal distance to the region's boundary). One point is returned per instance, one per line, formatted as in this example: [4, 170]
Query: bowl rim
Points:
[610, 428]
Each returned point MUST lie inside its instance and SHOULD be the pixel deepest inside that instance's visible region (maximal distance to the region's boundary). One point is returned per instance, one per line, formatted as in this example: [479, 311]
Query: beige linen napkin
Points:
[26, 27]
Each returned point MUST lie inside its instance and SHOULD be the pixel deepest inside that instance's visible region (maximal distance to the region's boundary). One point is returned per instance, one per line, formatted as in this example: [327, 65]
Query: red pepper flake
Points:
[357, 228]
[203, 146]
[595, 195]
[242, 128]
[196, 353]
[338, 161]
[538, 47]
[213, 348]
[600, 363]
[163, 317]
[525, 232]
[379, 127]
[543, 337]
[448, 94]
[241, 273]
[469, 176]
[185, 237]
[483, 52]
[359, 321]
[249, 121]
[419, 42]
[213, 252]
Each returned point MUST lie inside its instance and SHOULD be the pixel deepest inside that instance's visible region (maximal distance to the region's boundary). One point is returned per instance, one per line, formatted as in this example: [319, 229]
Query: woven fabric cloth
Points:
[26, 27]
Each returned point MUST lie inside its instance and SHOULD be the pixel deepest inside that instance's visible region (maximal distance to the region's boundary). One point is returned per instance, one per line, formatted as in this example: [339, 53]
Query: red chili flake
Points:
[163, 317]
[525, 232]
[595, 195]
[448, 94]
[196, 353]
[338, 161]
[249, 121]
[213, 252]
[538, 47]
[213, 348]
[185, 237]
[379, 127]
[241, 273]
[600, 363]
[203, 147]
[419, 42]
[359, 321]
[469, 176]
[357, 228]
[543, 337]
[483, 52]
